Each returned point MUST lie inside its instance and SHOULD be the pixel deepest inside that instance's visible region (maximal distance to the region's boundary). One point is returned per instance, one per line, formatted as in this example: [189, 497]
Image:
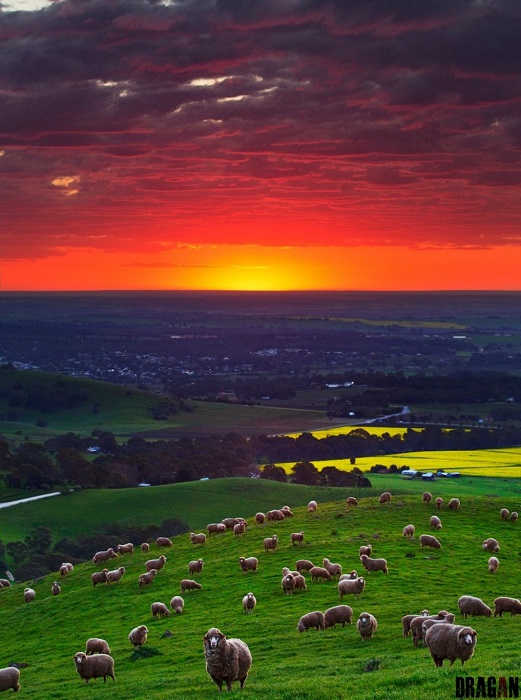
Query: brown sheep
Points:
[408, 531]
[66, 569]
[351, 586]
[270, 543]
[95, 645]
[429, 541]
[366, 549]
[435, 522]
[10, 678]
[439, 503]
[177, 604]
[4, 583]
[514, 515]
[304, 565]
[300, 582]
[199, 538]
[239, 529]
[288, 584]
[249, 564]
[351, 501]
[504, 513]
[505, 604]
[493, 565]
[138, 636]
[147, 579]
[189, 585]
[450, 642]
[97, 666]
[216, 529]
[115, 575]
[230, 523]
[164, 542]
[56, 588]
[312, 619]
[104, 555]
[312, 506]
[297, 538]
[319, 572]
[99, 577]
[407, 619]
[385, 497]
[227, 660]
[490, 545]
[195, 567]
[159, 610]
[427, 497]
[366, 625]
[260, 518]
[334, 569]
[125, 548]
[287, 511]
[248, 603]
[338, 614]
[156, 564]
[454, 504]
[417, 624]
[470, 605]
[29, 595]
[145, 547]
[274, 515]
[374, 564]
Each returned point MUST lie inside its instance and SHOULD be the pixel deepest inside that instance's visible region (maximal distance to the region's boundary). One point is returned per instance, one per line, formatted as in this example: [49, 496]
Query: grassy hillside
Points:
[321, 665]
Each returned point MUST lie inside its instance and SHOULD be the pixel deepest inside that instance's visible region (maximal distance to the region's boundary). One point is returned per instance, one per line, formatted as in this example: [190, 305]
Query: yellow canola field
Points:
[500, 463]
[346, 429]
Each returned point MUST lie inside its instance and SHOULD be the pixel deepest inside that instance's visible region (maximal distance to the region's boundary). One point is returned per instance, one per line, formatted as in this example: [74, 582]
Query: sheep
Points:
[146, 579]
[504, 513]
[493, 565]
[29, 595]
[334, 569]
[104, 555]
[319, 572]
[312, 506]
[439, 503]
[338, 614]
[95, 645]
[248, 603]
[417, 622]
[177, 604]
[385, 497]
[514, 515]
[138, 636]
[312, 619]
[97, 666]
[159, 609]
[227, 660]
[435, 522]
[4, 583]
[114, 576]
[199, 538]
[426, 497]
[188, 584]
[260, 518]
[249, 564]
[99, 577]
[125, 548]
[374, 564]
[300, 582]
[351, 501]
[297, 538]
[350, 576]
[454, 504]
[427, 624]
[145, 547]
[156, 564]
[288, 584]
[239, 529]
[490, 545]
[470, 605]
[66, 569]
[429, 541]
[10, 678]
[408, 531]
[56, 588]
[270, 543]
[355, 586]
[505, 604]
[407, 619]
[366, 625]
[450, 642]
[304, 565]
[230, 523]
[366, 549]
[216, 529]
[164, 542]
[195, 567]
[288, 513]
[275, 515]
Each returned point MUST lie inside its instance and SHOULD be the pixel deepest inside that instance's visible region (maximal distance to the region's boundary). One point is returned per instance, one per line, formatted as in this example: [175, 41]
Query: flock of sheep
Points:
[229, 660]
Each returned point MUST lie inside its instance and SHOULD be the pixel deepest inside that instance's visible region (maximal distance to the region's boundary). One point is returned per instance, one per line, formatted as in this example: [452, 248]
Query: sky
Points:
[260, 144]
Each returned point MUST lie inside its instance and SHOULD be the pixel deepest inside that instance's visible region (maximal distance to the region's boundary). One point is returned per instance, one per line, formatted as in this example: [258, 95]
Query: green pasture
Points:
[44, 635]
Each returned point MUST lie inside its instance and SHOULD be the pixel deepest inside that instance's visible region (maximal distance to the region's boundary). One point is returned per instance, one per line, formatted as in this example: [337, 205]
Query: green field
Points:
[335, 663]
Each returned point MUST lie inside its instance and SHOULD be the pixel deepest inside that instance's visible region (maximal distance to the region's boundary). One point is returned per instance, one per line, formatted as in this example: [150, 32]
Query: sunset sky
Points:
[260, 144]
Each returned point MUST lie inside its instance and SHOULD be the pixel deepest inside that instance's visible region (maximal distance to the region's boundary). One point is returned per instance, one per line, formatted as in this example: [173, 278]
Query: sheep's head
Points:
[213, 637]
[467, 637]
[79, 658]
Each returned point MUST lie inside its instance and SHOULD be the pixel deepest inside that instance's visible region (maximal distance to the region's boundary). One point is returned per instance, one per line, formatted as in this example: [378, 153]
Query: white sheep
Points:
[95, 645]
[156, 564]
[116, 575]
[366, 549]
[490, 545]
[450, 642]
[260, 518]
[104, 555]
[312, 506]
[138, 636]
[312, 619]
[29, 594]
[288, 584]
[319, 572]
[177, 604]
[125, 548]
[227, 660]
[439, 503]
[435, 522]
[249, 564]
[10, 678]
[199, 538]
[145, 547]
[297, 538]
[429, 541]
[164, 542]
[216, 529]
[66, 568]
[493, 565]
[454, 504]
[248, 603]
[159, 609]
[334, 569]
[270, 543]
[504, 513]
[304, 565]
[351, 586]
[99, 577]
[505, 604]
[188, 584]
[338, 614]
[408, 531]
[366, 625]
[195, 566]
[385, 497]
[147, 579]
[374, 564]
[97, 666]
[470, 605]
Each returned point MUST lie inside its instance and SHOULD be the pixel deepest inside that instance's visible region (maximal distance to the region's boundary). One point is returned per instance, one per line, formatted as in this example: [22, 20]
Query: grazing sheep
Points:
[288, 513]
[334, 569]
[304, 565]
[199, 538]
[297, 538]
[249, 564]
[56, 588]
[439, 503]
[427, 497]
[470, 605]
[216, 529]
[260, 518]
[270, 543]
[159, 610]
[408, 531]
[97, 666]
[374, 564]
[288, 584]
[99, 577]
[450, 642]
[275, 515]
[312, 506]
[125, 548]
[504, 513]
[366, 549]
[319, 572]
[427, 624]
[195, 567]
[227, 660]
[146, 579]
[177, 604]
[407, 619]
[95, 645]
[145, 547]
[156, 564]
[300, 582]
[248, 603]
[230, 523]
[164, 542]
[435, 522]
[312, 619]
[239, 529]
[429, 541]
[514, 515]
[366, 625]
[493, 565]
[354, 586]
[188, 584]
[116, 575]
[505, 604]
[385, 497]
[138, 636]
[338, 614]
[104, 555]
[4, 583]
[29, 594]
[10, 678]
[417, 622]
[66, 568]
[454, 504]
[351, 501]
[490, 545]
